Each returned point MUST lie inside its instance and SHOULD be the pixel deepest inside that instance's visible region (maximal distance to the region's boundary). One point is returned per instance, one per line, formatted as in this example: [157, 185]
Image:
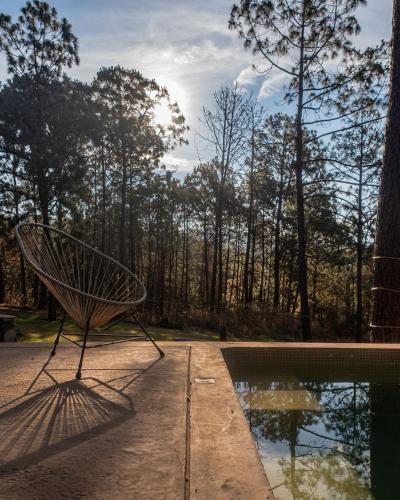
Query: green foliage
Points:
[37, 44]
[219, 248]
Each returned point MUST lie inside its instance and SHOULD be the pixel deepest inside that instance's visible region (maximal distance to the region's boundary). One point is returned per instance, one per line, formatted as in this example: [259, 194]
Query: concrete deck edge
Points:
[224, 461]
[223, 345]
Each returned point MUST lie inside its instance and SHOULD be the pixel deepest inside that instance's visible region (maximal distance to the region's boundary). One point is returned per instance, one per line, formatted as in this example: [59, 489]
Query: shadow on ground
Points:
[42, 423]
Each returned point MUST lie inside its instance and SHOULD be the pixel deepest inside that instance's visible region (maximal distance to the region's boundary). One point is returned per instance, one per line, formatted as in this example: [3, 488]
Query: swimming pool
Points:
[326, 426]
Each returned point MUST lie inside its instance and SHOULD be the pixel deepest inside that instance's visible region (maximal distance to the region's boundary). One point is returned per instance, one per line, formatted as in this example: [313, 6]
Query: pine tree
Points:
[297, 39]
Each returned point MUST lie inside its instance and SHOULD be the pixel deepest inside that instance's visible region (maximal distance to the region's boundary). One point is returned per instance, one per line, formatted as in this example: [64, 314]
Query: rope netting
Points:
[87, 283]
[385, 289]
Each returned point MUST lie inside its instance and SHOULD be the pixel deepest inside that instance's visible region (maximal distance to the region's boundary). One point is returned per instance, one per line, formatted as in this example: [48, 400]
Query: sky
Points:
[185, 45]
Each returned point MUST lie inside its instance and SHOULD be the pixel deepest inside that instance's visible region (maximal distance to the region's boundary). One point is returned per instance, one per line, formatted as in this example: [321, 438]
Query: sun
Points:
[162, 113]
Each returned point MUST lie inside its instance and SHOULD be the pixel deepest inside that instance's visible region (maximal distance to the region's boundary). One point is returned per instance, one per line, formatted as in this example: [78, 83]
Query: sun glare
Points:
[162, 113]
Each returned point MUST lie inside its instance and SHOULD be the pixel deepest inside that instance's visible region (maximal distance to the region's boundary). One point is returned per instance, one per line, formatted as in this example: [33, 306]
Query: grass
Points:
[34, 327]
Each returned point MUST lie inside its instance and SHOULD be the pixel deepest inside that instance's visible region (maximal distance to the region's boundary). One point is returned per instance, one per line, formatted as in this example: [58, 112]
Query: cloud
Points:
[273, 83]
[184, 45]
[247, 77]
[189, 56]
[178, 163]
[208, 51]
[263, 86]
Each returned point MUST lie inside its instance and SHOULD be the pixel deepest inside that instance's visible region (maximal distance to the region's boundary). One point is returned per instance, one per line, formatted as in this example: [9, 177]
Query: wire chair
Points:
[92, 288]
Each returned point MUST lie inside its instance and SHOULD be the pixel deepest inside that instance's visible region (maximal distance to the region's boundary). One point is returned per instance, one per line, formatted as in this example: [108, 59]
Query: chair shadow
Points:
[45, 422]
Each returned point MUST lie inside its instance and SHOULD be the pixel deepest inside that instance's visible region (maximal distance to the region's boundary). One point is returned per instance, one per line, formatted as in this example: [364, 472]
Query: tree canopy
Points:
[268, 236]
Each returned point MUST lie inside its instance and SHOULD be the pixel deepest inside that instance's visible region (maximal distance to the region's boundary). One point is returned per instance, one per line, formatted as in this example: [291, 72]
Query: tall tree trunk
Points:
[213, 288]
[170, 266]
[186, 295]
[227, 265]
[386, 307]
[121, 240]
[2, 284]
[21, 259]
[290, 278]
[268, 284]
[277, 245]
[23, 281]
[314, 286]
[261, 289]
[132, 253]
[43, 191]
[103, 200]
[95, 203]
[246, 270]
[252, 265]
[360, 249]
[220, 266]
[302, 261]
[236, 256]
[182, 276]
[206, 291]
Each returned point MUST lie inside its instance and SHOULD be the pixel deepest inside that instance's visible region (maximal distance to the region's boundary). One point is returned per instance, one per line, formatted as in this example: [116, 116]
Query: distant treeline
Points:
[269, 237]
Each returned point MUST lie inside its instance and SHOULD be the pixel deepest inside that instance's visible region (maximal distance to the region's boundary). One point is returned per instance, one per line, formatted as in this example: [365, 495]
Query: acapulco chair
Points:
[92, 288]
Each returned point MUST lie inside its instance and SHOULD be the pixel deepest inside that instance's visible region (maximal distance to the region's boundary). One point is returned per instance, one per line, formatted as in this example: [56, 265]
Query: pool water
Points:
[325, 433]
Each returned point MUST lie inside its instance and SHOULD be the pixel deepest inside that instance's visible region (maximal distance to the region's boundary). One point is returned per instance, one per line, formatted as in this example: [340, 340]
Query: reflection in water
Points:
[384, 439]
[322, 439]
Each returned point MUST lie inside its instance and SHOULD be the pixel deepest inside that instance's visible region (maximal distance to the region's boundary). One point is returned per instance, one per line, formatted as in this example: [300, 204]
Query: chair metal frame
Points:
[62, 291]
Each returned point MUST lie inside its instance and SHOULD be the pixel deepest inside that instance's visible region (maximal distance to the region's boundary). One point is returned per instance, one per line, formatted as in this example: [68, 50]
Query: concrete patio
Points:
[135, 426]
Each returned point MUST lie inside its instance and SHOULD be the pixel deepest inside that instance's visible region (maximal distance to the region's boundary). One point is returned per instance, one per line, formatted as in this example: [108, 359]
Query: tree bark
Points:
[386, 307]
[250, 223]
[215, 254]
[261, 289]
[277, 245]
[2, 285]
[103, 200]
[360, 249]
[123, 209]
[206, 291]
[302, 261]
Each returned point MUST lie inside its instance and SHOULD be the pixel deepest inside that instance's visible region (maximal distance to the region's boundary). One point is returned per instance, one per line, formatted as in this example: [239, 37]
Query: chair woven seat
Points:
[83, 280]
[92, 287]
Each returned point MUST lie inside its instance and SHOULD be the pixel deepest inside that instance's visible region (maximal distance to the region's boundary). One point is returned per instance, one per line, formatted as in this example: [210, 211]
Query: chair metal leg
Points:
[161, 353]
[53, 352]
[119, 320]
[86, 331]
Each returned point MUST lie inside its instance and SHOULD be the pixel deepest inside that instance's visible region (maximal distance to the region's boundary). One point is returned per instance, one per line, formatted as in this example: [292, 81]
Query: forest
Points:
[272, 236]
